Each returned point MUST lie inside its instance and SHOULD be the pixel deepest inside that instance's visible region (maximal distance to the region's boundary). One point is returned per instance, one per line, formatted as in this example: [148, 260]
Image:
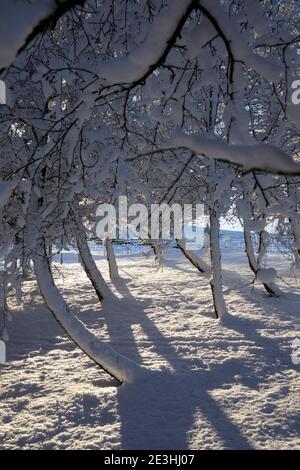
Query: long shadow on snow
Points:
[149, 420]
[148, 409]
[159, 410]
[286, 307]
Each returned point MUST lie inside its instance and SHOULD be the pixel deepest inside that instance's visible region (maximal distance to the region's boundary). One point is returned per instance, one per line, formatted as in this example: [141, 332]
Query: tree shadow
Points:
[286, 307]
[158, 411]
[34, 322]
[178, 265]
[148, 409]
[274, 349]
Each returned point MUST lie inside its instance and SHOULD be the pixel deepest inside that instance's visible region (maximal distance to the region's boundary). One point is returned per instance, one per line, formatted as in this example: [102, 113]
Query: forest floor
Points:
[214, 385]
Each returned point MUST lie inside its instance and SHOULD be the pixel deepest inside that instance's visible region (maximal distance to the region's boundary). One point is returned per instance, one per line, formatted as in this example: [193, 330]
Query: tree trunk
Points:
[112, 263]
[118, 366]
[254, 263]
[89, 265]
[196, 261]
[216, 267]
[156, 247]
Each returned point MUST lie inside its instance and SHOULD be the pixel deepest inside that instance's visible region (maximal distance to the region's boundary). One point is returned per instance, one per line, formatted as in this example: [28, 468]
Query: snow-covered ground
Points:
[213, 386]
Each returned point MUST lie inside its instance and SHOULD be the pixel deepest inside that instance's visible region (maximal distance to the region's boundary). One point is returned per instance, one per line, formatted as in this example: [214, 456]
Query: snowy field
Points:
[214, 386]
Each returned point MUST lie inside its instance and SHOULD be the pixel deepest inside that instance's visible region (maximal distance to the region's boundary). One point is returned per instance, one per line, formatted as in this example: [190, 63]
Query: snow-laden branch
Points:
[165, 30]
[260, 157]
[21, 22]
[237, 46]
[143, 60]
[107, 358]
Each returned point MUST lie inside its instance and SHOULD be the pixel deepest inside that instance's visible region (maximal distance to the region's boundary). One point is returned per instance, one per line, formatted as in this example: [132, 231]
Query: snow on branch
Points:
[261, 157]
[236, 45]
[21, 22]
[142, 61]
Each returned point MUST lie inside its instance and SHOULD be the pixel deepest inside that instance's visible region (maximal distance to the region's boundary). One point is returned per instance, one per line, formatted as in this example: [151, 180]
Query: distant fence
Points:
[228, 242]
[235, 242]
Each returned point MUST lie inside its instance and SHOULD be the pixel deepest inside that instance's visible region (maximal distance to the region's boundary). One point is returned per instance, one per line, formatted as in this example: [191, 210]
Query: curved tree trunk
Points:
[90, 267]
[112, 263]
[216, 267]
[196, 261]
[108, 359]
[254, 263]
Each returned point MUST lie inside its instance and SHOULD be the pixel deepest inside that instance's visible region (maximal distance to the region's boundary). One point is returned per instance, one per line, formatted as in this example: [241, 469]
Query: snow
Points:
[132, 355]
[239, 46]
[251, 157]
[6, 188]
[134, 66]
[256, 226]
[194, 40]
[117, 365]
[17, 20]
[212, 385]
